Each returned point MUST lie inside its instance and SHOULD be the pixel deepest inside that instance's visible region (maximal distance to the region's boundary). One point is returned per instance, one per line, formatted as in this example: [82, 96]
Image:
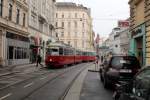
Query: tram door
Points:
[61, 51]
[139, 49]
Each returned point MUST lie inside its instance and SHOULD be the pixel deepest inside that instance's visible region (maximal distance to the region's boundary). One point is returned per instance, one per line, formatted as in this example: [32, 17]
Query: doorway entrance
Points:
[139, 49]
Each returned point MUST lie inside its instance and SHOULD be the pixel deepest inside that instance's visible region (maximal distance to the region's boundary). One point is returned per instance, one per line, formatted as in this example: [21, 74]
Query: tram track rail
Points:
[54, 78]
[70, 85]
[30, 77]
[41, 82]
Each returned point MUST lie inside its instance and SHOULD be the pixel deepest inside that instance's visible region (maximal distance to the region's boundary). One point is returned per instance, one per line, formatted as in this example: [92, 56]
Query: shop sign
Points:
[123, 23]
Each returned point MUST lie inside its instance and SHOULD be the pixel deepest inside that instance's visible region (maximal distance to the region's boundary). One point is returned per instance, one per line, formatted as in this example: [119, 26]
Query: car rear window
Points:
[127, 61]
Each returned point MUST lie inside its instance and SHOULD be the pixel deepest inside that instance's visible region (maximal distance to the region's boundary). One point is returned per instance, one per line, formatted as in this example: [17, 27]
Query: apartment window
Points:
[10, 12]
[18, 15]
[33, 20]
[75, 34]
[83, 34]
[24, 19]
[41, 26]
[69, 15]
[56, 15]
[69, 24]
[83, 25]
[62, 24]
[45, 28]
[56, 34]
[1, 7]
[68, 42]
[76, 15]
[68, 33]
[62, 15]
[83, 16]
[62, 34]
[75, 24]
[56, 24]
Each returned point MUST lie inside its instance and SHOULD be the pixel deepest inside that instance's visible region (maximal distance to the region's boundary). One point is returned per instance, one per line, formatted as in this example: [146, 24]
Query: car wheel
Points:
[148, 97]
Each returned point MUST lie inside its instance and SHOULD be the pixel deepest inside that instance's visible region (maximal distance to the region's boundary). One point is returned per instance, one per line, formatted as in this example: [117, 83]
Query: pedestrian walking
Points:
[96, 63]
[39, 58]
[101, 59]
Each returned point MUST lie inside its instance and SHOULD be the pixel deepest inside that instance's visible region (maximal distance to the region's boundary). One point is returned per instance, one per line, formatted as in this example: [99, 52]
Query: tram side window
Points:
[71, 52]
[61, 51]
[66, 52]
[48, 51]
[77, 53]
[53, 51]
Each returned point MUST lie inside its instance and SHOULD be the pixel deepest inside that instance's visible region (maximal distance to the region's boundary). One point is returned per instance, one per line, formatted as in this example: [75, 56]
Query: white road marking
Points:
[28, 85]
[43, 78]
[9, 94]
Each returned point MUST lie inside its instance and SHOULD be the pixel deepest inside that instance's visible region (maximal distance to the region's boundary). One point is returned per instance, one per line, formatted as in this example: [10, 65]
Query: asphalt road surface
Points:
[49, 85]
[52, 84]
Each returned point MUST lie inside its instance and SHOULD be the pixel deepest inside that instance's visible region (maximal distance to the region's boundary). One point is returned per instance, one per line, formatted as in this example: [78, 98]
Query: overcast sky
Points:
[105, 13]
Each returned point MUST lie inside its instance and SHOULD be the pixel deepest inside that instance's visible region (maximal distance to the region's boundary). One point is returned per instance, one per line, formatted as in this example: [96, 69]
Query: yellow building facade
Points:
[140, 29]
[74, 25]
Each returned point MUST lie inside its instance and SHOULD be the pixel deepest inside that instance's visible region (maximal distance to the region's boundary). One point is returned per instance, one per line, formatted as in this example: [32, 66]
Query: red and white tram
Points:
[59, 54]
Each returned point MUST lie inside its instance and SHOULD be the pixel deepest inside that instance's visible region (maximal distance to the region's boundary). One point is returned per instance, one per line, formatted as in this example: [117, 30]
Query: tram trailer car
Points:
[88, 56]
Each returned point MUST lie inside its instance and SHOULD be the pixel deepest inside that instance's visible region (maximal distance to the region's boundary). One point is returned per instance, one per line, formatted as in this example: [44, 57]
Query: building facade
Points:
[125, 41]
[41, 26]
[114, 38]
[119, 39]
[139, 30]
[14, 42]
[76, 25]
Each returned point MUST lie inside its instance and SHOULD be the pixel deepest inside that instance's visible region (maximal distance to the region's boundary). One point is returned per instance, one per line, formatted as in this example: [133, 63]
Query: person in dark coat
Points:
[101, 59]
[39, 58]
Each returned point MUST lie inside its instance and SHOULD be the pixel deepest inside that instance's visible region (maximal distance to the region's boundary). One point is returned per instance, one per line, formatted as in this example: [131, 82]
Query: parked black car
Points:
[118, 68]
[140, 87]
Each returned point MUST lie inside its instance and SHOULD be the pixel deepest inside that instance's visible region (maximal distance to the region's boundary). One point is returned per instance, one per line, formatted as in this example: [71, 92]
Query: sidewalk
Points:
[88, 87]
[15, 69]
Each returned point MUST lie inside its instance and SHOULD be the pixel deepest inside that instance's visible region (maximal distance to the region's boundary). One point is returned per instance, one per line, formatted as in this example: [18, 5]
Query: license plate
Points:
[125, 71]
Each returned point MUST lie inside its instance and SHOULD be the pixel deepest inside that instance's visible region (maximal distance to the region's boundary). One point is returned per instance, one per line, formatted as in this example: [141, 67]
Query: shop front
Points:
[138, 43]
[38, 47]
[17, 47]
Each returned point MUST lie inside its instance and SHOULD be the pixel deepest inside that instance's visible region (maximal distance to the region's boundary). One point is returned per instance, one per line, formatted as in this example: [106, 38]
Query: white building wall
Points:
[41, 22]
[75, 35]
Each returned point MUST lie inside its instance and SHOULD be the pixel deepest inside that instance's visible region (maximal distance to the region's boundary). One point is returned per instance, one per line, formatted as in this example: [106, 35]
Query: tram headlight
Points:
[50, 60]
